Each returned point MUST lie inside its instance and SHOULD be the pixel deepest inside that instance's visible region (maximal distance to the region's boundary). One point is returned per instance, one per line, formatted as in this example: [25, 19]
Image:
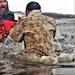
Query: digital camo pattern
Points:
[37, 31]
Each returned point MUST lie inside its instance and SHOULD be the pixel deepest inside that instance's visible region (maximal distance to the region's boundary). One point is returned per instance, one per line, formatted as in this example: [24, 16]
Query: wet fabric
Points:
[37, 31]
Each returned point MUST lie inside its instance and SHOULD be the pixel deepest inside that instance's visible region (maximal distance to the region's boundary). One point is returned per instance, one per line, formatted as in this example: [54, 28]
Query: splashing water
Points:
[63, 41]
[64, 48]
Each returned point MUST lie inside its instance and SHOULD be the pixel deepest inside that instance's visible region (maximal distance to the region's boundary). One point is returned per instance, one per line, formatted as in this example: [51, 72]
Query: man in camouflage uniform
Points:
[37, 31]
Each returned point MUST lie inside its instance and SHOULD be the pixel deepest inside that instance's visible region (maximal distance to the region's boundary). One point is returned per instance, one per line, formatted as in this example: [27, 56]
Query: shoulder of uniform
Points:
[52, 20]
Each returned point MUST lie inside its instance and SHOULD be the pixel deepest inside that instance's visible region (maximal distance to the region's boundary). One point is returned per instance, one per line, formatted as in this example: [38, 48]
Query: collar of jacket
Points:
[34, 12]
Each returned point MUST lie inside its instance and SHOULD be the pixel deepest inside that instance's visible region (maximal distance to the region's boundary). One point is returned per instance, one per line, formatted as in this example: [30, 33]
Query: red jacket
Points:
[7, 21]
[6, 25]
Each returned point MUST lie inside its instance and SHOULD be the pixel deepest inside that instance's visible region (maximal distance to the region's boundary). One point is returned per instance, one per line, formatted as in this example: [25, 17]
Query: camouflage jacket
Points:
[37, 31]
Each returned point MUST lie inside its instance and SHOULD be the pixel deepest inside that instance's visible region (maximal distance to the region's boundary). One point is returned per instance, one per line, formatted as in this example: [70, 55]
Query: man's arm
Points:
[17, 31]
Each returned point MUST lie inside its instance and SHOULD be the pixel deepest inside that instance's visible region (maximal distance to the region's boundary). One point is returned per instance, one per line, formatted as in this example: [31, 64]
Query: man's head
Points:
[3, 5]
[32, 6]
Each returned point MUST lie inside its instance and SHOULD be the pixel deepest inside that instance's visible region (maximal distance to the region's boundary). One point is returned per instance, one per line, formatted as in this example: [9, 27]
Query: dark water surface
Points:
[14, 67]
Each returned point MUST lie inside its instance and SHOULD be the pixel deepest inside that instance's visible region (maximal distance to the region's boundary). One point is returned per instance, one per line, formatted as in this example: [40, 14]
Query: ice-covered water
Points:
[11, 53]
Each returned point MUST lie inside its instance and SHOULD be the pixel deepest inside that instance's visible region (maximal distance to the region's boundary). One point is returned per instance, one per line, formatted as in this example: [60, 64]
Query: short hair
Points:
[33, 6]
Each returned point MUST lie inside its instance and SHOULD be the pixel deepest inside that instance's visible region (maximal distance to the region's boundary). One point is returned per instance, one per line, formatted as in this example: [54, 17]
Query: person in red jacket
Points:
[7, 19]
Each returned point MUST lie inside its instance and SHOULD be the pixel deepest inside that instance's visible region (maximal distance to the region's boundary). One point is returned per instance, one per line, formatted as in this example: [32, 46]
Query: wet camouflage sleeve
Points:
[17, 31]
